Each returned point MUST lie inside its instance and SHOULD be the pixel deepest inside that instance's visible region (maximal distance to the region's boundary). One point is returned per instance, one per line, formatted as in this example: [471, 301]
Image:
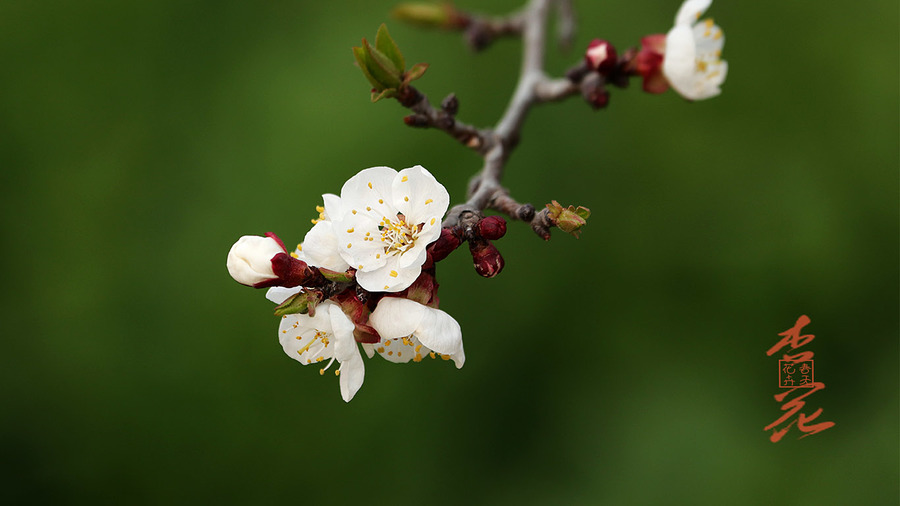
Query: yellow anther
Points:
[431, 354]
[370, 186]
[284, 331]
[350, 230]
[701, 66]
[709, 22]
[390, 353]
[381, 201]
[368, 208]
[353, 211]
[405, 199]
[380, 349]
[405, 179]
[321, 371]
[393, 274]
[377, 255]
[417, 358]
[295, 255]
[337, 372]
[349, 244]
[445, 357]
[387, 343]
[718, 35]
[386, 287]
[320, 209]
[313, 221]
[319, 359]
[429, 201]
[360, 266]
[432, 221]
[418, 348]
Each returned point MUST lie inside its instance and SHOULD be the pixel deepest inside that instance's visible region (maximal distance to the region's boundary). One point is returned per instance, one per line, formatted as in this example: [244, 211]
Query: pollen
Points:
[418, 348]
[337, 372]
[390, 353]
[368, 208]
[405, 179]
[377, 255]
[284, 331]
[445, 357]
[386, 287]
[350, 230]
[709, 22]
[319, 359]
[321, 371]
[399, 353]
[393, 274]
[360, 266]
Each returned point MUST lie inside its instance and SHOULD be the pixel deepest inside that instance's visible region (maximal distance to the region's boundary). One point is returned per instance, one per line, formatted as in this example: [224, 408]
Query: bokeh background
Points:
[139, 140]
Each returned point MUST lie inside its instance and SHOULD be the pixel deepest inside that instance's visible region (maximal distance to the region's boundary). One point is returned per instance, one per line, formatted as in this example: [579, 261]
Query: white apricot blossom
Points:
[691, 63]
[326, 336]
[410, 331]
[386, 219]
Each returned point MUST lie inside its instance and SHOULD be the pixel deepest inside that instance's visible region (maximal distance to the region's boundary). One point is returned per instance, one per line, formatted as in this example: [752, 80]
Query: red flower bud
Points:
[444, 245]
[492, 227]
[487, 259]
[601, 56]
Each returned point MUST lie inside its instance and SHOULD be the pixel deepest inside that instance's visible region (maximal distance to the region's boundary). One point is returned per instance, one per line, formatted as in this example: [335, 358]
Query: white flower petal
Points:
[369, 348]
[690, 11]
[369, 193]
[390, 277]
[321, 248]
[360, 242]
[419, 196]
[395, 317]
[279, 294]
[352, 370]
[333, 207]
[401, 351]
[413, 259]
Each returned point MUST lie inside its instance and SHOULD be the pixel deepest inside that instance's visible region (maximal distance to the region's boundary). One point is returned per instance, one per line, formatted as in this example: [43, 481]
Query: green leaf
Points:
[584, 212]
[388, 93]
[381, 67]
[385, 43]
[417, 71]
[360, 55]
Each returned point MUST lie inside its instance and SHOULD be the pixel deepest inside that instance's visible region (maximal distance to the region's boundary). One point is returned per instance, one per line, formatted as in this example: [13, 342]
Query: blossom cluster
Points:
[364, 275]
[687, 59]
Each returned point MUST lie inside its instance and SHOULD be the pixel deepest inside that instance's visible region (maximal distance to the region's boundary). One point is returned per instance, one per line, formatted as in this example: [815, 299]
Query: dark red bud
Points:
[597, 97]
[292, 272]
[487, 259]
[492, 227]
[601, 56]
[444, 245]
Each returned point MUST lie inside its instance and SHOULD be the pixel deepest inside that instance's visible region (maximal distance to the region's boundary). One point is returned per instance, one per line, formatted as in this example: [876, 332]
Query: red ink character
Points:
[793, 338]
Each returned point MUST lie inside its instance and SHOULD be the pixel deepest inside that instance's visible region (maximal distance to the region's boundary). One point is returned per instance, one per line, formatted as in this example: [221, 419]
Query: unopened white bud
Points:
[250, 259]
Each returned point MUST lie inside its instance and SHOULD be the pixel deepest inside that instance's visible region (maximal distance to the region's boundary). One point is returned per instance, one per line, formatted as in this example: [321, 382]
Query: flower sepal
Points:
[304, 302]
[338, 277]
[353, 306]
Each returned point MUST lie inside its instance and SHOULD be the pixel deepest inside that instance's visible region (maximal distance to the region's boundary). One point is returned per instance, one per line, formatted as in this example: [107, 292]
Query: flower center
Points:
[398, 236]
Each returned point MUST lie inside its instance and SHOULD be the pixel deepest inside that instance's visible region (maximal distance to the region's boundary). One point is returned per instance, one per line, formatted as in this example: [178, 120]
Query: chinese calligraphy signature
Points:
[796, 373]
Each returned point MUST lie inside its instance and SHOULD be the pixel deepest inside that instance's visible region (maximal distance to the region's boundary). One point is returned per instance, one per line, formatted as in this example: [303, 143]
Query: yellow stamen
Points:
[429, 201]
[370, 186]
[405, 179]
[393, 274]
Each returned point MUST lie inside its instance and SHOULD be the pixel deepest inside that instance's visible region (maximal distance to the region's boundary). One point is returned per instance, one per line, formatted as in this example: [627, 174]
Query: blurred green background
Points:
[141, 139]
